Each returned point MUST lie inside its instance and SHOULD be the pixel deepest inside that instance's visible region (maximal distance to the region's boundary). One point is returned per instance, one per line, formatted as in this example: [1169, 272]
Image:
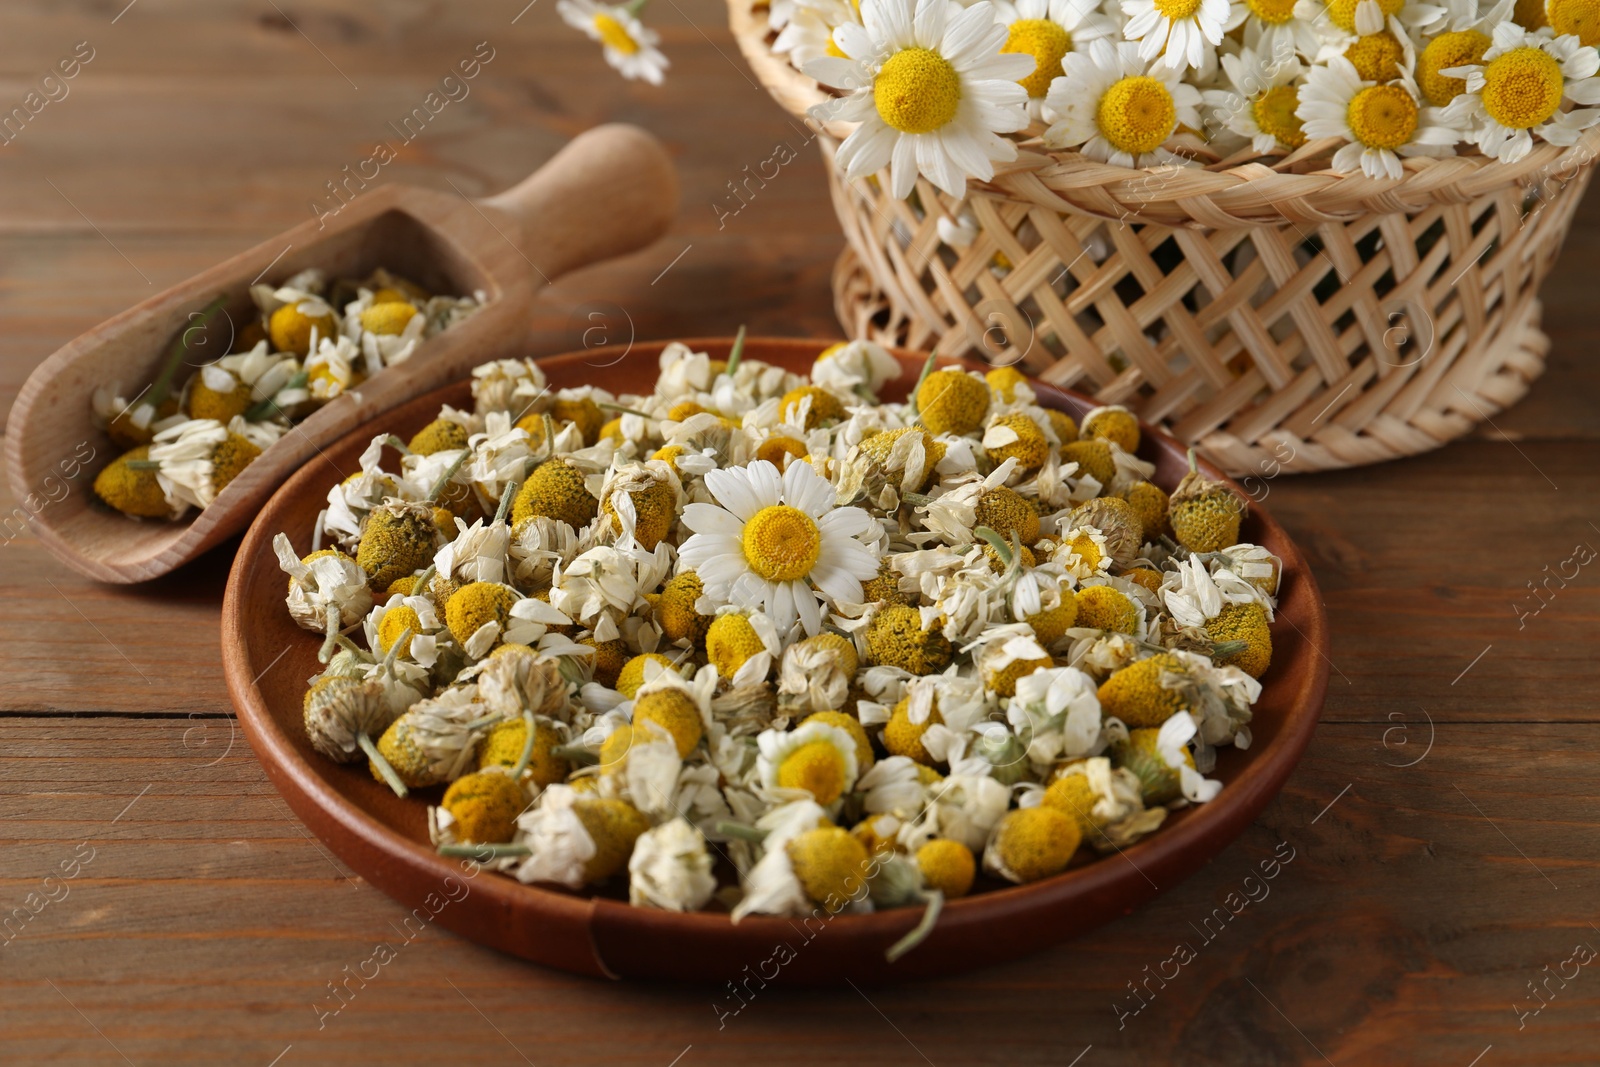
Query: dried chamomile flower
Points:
[1093, 458]
[1030, 844]
[947, 866]
[816, 757]
[952, 401]
[1104, 607]
[1107, 803]
[671, 868]
[397, 539]
[1016, 436]
[480, 608]
[1205, 515]
[528, 745]
[816, 673]
[1147, 693]
[1247, 623]
[484, 806]
[130, 485]
[1117, 522]
[575, 840]
[515, 679]
[641, 501]
[675, 610]
[433, 741]
[860, 367]
[197, 459]
[897, 637]
[556, 489]
[1112, 423]
[1149, 501]
[831, 866]
[344, 714]
[1056, 712]
[635, 672]
[326, 585]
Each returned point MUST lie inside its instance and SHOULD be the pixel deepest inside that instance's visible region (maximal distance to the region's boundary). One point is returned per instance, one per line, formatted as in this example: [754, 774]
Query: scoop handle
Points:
[612, 190]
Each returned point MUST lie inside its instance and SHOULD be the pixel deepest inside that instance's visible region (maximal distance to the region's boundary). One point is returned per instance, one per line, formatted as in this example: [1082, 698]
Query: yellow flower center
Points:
[1382, 116]
[782, 543]
[1178, 10]
[1522, 88]
[816, 767]
[1581, 17]
[1342, 13]
[1274, 113]
[1376, 57]
[614, 35]
[1272, 12]
[1443, 52]
[1046, 42]
[1136, 115]
[917, 91]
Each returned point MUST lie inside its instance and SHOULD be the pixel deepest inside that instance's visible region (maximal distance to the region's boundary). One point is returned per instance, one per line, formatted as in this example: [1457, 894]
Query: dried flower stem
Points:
[918, 933]
[382, 765]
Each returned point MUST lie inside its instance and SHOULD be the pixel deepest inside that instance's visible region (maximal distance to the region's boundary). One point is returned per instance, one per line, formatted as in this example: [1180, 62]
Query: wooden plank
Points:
[206, 926]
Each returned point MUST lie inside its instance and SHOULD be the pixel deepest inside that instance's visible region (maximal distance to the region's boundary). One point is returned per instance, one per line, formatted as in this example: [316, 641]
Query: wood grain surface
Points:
[188, 918]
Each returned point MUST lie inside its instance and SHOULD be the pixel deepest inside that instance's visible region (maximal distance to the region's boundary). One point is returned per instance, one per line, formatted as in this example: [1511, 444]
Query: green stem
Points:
[736, 353]
[382, 765]
[507, 495]
[398, 445]
[633, 7]
[487, 720]
[348, 645]
[919, 933]
[484, 852]
[144, 464]
[927, 369]
[1193, 467]
[1001, 547]
[916, 500]
[1224, 649]
[330, 634]
[421, 588]
[269, 407]
[527, 747]
[444, 479]
[180, 348]
[741, 831]
[574, 754]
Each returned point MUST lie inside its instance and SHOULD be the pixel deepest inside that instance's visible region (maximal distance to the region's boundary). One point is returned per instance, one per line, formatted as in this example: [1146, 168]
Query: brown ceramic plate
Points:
[268, 659]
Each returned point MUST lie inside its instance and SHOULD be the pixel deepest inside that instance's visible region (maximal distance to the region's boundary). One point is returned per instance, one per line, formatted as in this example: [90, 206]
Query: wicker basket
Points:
[1276, 316]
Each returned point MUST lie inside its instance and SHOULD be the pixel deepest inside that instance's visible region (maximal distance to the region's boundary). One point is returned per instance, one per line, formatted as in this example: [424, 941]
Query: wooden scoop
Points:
[609, 192]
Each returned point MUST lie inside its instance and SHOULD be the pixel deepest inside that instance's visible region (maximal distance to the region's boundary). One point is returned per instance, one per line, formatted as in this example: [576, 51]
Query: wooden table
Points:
[1439, 823]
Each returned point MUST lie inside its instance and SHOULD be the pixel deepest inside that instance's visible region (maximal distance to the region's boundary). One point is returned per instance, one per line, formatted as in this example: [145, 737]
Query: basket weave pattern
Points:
[1278, 317]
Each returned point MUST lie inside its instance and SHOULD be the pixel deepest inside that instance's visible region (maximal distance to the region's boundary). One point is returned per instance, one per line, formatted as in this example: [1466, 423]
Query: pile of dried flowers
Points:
[843, 653]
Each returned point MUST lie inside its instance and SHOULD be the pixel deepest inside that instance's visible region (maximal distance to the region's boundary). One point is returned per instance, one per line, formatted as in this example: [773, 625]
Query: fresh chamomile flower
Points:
[817, 757]
[1364, 18]
[628, 45]
[1517, 92]
[931, 90]
[671, 868]
[1177, 34]
[1047, 30]
[809, 32]
[777, 544]
[1461, 39]
[1120, 107]
[1382, 123]
[1261, 102]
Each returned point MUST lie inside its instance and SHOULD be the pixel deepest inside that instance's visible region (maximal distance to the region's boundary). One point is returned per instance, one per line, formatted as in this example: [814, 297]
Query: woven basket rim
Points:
[1241, 194]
